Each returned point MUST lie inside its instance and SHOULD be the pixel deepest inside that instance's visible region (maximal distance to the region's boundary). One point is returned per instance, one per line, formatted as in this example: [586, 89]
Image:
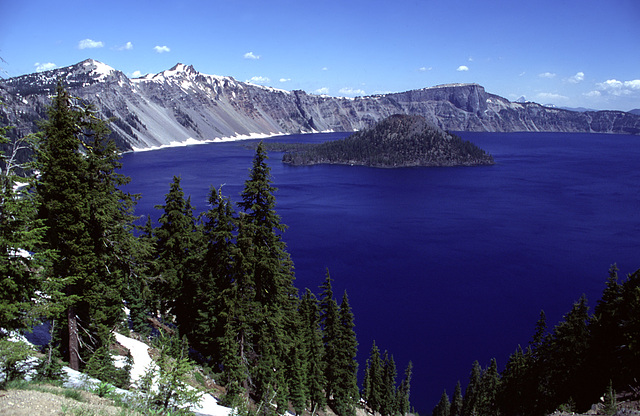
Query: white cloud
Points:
[547, 75]
[45, 67]
[89, 44]
[462, 68]
[136, 74]
[126, 47]
[285, 79]
[549, 96]
[251, 55]
[322, 91]
[615, 87]
[578, 77]
[161, 49]
[522, 73]
[424, 69]
[593, 94]
[259, 80]
[351, 91]
[325, 68]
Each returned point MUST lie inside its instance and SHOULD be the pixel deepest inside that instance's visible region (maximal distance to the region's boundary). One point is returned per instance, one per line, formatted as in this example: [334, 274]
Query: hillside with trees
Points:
[583, 360]
[216, 289]
[397, 141]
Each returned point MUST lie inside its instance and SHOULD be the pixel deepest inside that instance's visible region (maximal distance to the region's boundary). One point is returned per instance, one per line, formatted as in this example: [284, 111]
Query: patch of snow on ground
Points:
[142, 361]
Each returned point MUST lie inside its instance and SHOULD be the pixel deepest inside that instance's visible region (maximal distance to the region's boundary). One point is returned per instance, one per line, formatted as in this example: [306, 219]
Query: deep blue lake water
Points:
[443, 266]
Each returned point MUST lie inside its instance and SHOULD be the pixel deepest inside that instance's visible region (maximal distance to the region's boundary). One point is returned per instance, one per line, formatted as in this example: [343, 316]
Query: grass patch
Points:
[70, 393]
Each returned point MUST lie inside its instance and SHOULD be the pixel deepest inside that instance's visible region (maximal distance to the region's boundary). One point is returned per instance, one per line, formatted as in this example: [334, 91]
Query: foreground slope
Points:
[181, 104]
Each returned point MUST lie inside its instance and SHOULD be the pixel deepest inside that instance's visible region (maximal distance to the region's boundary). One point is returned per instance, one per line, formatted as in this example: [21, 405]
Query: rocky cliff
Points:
[182, 104]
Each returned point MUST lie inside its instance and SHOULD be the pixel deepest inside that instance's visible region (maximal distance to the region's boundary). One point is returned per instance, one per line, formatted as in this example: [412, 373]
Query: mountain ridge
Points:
[181, 104]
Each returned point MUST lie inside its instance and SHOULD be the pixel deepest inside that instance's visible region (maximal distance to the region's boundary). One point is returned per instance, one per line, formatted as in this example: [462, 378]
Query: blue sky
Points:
[563, 52]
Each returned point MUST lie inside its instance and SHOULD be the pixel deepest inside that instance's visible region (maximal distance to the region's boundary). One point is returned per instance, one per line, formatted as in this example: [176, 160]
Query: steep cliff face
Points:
[181, 104]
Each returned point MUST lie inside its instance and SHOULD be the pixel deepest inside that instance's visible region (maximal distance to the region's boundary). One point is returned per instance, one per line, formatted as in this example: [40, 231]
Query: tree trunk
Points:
[74, 351]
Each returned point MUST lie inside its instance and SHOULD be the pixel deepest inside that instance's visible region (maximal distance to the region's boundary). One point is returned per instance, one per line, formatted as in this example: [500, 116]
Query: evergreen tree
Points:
[388, 399]
[373, 380]
[488, 391]
[567, 356]
[211, 304]
[608, 339]
[179, 244]
[512, 397]
[87, 220]
[313, 351]
[404, 392]
[110, 226]
[472, 392]
[346, 394]
[443, 407]
[266, 264]
[456, 402]
[20, 234]
[330, 322]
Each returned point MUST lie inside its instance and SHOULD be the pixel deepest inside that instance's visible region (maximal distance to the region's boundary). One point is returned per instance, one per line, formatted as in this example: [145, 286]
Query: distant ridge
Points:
[184, 105]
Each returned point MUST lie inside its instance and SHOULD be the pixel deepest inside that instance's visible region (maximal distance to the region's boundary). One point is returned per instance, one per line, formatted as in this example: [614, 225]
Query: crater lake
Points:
[443, 266]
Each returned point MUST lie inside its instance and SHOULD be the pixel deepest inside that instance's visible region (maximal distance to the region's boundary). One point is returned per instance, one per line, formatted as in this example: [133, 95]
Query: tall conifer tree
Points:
[20, 233]
[346, 394]
[373, 380]
[267, 265]
[87, 220]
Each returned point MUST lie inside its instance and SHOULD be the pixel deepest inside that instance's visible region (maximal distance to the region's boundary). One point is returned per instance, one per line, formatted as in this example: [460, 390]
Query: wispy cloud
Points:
[578, 77]
[462, 68]
[126, 47]
[251, 55]
[351, 91]
[136, 74]
[593, 94]
[259, 80]
[324, 68]
[547, 75]
[45, 66]
[285, 79]
[89, 44]
[161, 49]
[424, 69]
[549, 96]
[322, 91]
[615, 87]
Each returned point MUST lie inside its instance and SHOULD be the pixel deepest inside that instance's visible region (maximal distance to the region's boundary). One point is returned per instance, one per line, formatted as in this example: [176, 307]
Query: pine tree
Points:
[512, 397]
[87, 220]
[217, 277]
[346, 394]
[179, 244]
[567, 357]
[388, 400]
[373, 380]
[330, 322]
[267, 265]
[456, 402]
[20, 234]
[443, 407]
[313, 351]
[488, 391]
[472, 392]
[110, 226]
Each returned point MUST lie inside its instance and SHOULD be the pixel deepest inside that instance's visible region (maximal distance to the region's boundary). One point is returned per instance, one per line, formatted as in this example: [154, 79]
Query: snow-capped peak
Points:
[96, 68]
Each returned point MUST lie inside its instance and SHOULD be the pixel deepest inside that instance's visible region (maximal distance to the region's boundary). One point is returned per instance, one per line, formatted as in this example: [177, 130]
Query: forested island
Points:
[397, 141]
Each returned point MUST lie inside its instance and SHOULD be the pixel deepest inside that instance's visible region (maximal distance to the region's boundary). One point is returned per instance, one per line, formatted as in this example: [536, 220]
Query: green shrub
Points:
[13, 360]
